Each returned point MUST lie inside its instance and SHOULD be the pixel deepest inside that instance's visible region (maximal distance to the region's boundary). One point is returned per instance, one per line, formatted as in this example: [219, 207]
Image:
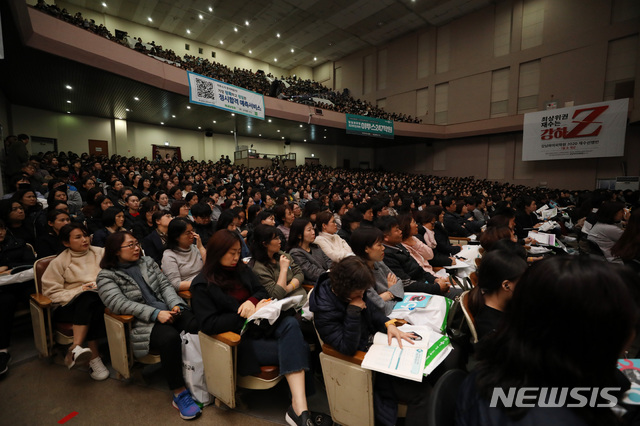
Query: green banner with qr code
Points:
[369, 126]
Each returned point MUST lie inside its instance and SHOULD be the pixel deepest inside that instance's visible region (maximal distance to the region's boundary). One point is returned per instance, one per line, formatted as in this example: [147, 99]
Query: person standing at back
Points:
[17, 155]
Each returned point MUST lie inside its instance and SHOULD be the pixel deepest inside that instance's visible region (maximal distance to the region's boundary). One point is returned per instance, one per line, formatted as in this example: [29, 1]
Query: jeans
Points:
[86, 309]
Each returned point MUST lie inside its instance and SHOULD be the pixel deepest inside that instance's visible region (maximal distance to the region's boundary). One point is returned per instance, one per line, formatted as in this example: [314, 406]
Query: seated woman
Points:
[27, 197]
[328, 240]
[608, 229]
[305, 253]
[421, 252]
[155, 243]
[229, 220]
[132, 285]
[180, 208]
[275, 269]
[444, 250]
[144, 226]
[163, 201]
[526, 219]
[112, 221]
[628, 246]
[50, 243]
[528, 352]
[387, 289]
[70, 282]
[13, 215]
[498, 276]
[182, 260]
[346, 319]
[94, 211]
[350, 221]
[225, 294]
[285, 217]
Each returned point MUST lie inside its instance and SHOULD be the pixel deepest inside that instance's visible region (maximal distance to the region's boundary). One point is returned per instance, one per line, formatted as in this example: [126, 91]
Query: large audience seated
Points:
[394, 237]
[291, 88]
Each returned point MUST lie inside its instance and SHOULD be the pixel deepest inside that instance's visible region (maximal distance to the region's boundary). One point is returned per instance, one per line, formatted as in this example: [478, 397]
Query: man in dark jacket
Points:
[453, 222]
[401, 263]
[17, 155]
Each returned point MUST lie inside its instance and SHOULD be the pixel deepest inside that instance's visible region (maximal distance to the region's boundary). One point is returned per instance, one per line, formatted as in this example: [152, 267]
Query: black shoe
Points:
[321, 419]
[4, 362]
[304, 419]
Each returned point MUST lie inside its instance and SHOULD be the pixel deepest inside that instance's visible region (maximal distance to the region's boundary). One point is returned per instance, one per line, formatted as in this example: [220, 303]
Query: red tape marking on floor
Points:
[67, 417]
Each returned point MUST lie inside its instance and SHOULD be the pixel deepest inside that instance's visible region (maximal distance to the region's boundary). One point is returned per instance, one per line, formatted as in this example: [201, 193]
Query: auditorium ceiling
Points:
[295, 32]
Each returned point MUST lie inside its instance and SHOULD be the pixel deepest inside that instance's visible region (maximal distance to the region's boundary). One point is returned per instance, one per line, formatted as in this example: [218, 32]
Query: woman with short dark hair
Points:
[182, 260]
[328, 240]
[305, 253]
[50, 243]
[608, 229]
[133, 285]
[112, 221]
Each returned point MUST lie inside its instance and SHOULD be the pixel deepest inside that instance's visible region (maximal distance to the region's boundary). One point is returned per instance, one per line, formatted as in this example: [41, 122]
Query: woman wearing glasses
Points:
[70, 282]
[182, 260]
[132, 285]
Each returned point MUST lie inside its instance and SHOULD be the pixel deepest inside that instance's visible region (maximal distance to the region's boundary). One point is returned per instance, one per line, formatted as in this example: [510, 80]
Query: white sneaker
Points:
[78, 355]
[98, 369]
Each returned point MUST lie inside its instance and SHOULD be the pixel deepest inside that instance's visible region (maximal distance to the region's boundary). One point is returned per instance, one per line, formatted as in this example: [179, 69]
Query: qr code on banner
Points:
[205, 89]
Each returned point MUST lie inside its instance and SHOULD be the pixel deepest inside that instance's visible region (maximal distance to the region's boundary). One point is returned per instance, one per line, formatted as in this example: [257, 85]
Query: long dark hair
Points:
[496, 267]
[559, 307]
[363, 238]
[219, 244]
[296, 233]
[262, 235]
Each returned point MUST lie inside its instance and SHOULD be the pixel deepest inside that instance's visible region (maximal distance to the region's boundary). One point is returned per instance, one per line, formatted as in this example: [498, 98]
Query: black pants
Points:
[86, 309]
[10, 296]
[165, 340]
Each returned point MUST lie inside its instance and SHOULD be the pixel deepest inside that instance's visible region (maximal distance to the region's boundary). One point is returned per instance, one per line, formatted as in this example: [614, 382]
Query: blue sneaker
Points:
[186, 406]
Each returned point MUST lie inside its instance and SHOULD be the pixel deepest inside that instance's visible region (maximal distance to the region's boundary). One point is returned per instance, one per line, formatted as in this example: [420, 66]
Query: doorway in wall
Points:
[311, 161]
[42, 144]
[161, 151]
[97, 147]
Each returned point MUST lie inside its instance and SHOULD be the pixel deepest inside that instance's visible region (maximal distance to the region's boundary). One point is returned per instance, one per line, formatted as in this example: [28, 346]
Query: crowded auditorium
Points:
[314, 213]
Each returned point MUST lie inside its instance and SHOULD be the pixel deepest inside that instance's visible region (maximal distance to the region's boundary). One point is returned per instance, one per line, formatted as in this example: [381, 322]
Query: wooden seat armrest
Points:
[42, 300]
[185, 294]
[307, 287]
[356, 358]
[230, 338]
[122, 318]
[437, 268]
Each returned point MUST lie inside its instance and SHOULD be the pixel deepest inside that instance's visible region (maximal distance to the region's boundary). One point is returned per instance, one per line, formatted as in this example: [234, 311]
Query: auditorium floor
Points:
[38, 391]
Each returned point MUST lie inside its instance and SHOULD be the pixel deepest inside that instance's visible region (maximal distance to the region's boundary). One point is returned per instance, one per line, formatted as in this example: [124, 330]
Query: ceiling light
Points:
[199, 128]
[221, 42]
[68, 87]
[250, 52]
[162, 123]
[188, 106]
[231, 131]
[325, 137]
[233, 115]
[259, 134]
[214, 121]
[246, 23]
[136, 98]
[315, 59]
[291, 50]
[68, 102]
[269, 120]
[283, 137]
[200, 16]
[188, 31]
[119, 118]
[235, 29]
[68, 112]
[325, 130]
[278, 130]
[275, 59]
[149, 19]
[210, 9]
[301, 125]
[173, 116]
[305, 140]
[313, 155]
[104, 4]
[278, 35]
[128, 110]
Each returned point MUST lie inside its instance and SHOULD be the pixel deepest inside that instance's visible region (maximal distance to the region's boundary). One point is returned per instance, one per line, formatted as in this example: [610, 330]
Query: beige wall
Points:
[575, 36]
[498, 157]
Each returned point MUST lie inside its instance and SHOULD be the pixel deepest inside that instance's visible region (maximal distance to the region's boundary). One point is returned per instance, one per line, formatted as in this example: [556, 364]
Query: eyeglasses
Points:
[131, 245]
